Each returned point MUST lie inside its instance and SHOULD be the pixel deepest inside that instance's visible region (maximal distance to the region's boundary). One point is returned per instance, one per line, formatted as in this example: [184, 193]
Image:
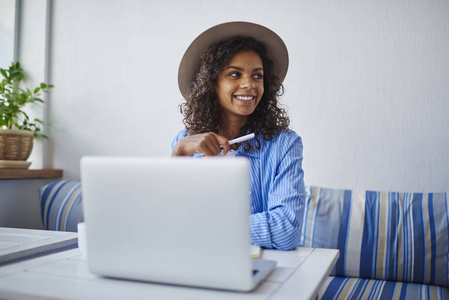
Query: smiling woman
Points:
[247, 63]
[230, 77]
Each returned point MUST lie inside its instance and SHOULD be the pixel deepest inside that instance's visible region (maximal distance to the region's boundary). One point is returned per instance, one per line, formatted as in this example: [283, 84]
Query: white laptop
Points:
[178, 221]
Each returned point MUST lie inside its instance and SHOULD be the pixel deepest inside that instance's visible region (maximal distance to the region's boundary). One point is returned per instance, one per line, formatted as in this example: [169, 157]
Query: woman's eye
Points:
[234, 74]
[258, 76]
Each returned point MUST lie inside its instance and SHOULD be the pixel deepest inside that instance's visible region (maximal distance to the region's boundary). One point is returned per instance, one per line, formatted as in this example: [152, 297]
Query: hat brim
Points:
[190, 63]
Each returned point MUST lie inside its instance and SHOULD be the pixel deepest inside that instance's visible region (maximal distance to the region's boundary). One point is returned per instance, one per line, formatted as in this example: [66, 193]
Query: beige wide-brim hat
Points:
[190, 63]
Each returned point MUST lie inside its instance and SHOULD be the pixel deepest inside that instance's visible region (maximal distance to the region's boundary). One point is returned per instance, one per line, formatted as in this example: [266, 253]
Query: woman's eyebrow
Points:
[241, 69]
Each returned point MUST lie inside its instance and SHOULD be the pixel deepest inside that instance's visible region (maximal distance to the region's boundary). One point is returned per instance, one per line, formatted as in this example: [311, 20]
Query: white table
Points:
[64, 275]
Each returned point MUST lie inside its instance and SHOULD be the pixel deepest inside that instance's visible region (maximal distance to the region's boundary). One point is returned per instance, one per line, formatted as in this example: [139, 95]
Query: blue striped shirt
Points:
[277, 190]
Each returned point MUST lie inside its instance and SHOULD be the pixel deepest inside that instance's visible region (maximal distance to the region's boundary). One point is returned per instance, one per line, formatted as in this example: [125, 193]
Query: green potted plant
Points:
[17, 131]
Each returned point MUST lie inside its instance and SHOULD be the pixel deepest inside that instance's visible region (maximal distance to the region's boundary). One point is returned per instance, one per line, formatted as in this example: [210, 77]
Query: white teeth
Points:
[245, 97]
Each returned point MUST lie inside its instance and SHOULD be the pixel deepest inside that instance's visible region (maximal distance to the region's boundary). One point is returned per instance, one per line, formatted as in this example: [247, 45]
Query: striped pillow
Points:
[343, 288]
[61, 205]
[381, 235]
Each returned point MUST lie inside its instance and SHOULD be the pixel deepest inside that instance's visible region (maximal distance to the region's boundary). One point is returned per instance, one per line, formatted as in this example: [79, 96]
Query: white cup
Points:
[82, 238]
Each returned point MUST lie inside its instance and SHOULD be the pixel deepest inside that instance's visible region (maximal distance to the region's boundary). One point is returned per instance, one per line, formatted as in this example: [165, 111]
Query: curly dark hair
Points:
[202, 111]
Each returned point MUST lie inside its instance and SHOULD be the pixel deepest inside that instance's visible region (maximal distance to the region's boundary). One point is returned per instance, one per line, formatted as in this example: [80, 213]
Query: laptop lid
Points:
[170, 220]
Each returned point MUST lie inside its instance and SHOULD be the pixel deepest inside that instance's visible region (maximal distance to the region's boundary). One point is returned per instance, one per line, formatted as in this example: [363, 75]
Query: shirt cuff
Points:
[260, 231]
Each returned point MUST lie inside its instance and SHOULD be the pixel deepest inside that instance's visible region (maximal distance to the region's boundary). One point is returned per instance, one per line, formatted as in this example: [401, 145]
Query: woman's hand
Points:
[206, 143]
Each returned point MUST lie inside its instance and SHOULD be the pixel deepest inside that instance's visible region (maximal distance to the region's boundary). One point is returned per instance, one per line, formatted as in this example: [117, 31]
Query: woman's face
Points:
[240, 84]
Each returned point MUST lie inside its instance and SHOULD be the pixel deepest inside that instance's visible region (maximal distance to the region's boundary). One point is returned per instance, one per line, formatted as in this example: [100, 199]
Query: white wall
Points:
[19, 203]
[367, 87]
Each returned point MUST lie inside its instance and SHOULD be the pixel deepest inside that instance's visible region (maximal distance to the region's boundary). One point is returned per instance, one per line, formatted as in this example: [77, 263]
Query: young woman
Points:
[230, 77]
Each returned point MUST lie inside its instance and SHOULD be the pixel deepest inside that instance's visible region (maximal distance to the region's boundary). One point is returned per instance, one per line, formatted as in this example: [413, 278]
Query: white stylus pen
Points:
[241, 139]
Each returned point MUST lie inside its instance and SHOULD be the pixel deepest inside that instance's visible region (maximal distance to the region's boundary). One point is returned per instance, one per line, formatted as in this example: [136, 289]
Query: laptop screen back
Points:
[171, 220]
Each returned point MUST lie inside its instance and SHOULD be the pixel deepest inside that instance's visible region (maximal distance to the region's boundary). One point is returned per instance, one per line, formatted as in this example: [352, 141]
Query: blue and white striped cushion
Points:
[344, 288]
[381, 235]
[61, 205]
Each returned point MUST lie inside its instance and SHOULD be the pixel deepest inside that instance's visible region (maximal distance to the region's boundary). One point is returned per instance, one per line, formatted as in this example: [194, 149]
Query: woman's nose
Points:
[247, 84]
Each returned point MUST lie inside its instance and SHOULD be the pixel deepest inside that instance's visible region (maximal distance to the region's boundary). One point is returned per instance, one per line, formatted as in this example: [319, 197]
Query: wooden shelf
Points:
[29, 174]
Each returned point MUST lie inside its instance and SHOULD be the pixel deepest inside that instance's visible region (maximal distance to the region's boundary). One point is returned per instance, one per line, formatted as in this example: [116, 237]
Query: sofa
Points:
[392, 245]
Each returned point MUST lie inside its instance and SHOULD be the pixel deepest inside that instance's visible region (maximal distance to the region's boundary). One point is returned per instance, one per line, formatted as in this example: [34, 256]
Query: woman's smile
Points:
[246, 99]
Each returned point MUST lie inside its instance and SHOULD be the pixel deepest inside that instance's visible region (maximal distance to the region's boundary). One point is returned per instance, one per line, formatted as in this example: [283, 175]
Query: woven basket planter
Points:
[15, 144]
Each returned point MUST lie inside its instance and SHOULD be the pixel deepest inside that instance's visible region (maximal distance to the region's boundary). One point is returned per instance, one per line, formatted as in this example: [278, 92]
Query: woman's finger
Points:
[223, 143]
